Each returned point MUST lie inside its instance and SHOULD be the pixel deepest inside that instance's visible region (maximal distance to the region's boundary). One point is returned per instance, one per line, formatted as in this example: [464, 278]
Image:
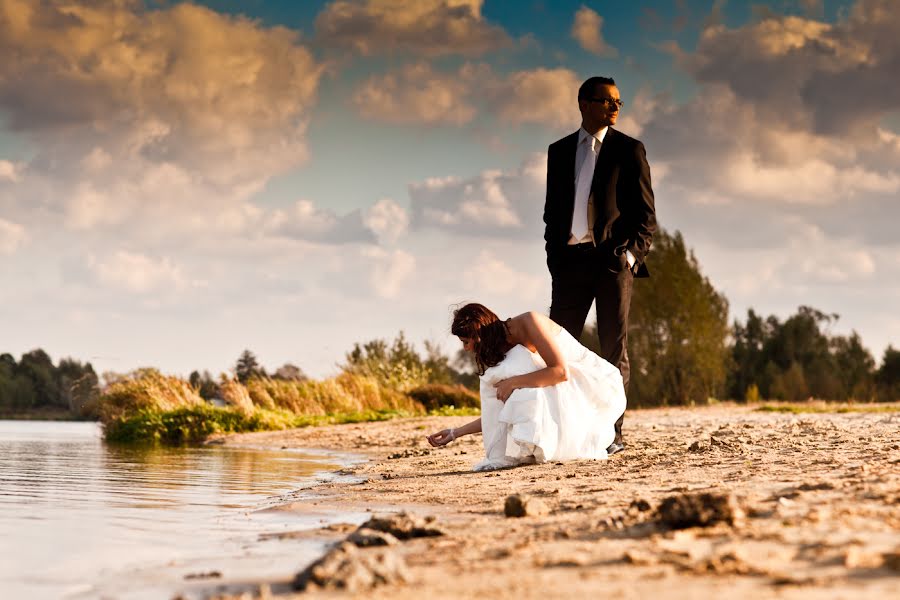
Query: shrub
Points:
[435, 396]
[752, 394]
[143, 390]
[191, 424]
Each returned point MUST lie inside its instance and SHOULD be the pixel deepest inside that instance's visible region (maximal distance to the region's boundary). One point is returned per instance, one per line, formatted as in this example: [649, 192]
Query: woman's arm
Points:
[446, 436]
[539, 331]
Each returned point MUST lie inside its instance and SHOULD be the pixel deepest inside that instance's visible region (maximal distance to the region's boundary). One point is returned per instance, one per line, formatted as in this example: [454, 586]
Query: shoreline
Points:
[820, 493]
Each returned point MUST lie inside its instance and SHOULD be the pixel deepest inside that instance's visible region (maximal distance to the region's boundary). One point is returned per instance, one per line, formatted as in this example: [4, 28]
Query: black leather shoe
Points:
[615, 448]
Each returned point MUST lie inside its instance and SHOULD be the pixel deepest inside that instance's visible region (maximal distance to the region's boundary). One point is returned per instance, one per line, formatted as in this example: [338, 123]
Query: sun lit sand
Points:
[811, 508]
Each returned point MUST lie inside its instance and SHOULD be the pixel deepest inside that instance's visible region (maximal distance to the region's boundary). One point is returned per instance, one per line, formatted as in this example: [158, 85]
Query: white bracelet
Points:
[452, 434]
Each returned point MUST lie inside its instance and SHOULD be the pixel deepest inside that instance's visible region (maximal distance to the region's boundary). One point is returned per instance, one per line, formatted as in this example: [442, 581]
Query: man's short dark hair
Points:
[587, 88]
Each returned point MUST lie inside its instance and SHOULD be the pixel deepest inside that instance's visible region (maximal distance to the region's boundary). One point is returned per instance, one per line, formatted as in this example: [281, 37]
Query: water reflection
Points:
[73, 509]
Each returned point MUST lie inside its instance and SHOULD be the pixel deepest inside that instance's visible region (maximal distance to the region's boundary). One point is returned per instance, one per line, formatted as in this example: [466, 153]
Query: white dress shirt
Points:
[586, 158]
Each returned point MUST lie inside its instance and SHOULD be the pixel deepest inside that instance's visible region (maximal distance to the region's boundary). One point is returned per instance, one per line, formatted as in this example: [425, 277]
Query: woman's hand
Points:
[441, 438]
[505, 389]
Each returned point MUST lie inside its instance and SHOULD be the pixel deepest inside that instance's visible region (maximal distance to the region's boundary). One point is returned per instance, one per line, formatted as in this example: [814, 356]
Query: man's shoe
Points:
[615, 448]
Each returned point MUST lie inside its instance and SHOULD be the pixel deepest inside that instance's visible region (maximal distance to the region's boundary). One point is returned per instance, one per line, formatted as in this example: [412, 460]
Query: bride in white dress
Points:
[544, 396]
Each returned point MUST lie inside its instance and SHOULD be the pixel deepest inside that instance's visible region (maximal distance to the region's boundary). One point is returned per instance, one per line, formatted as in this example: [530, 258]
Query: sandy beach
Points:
[795, 506]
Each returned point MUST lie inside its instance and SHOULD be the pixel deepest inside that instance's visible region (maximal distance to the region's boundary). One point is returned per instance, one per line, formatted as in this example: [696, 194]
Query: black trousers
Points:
[588, 275]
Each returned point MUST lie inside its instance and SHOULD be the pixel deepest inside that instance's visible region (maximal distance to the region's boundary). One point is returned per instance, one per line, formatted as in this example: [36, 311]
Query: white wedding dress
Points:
[572, 419]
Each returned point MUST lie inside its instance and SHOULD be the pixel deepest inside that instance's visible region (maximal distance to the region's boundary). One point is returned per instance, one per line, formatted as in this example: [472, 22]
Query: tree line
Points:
[34, 383]
[682, 348]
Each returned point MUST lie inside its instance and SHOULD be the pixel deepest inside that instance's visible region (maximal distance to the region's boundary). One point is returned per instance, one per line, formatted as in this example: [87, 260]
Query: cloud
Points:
[834, 78]
[417, 94]
[783, 183]
[541, 96]
[490, 275]
[422, 27]
[387, 220]
[138, 273]
[493, 203]
[586, 29]
[185, 85]
[391, 269]
[156, 124]
[12, 235]
[305, 221]
[9, 171]
[714, 144]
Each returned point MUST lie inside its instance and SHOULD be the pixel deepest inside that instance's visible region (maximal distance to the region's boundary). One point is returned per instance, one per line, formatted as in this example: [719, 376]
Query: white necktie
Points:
[583, 190]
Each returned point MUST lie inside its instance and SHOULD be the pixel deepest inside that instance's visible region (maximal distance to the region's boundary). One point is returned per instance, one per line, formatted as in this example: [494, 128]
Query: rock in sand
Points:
[519, 505]
[347, 568]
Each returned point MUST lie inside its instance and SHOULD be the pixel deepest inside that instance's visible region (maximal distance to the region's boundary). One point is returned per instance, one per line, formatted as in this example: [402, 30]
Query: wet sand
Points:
[812, 503]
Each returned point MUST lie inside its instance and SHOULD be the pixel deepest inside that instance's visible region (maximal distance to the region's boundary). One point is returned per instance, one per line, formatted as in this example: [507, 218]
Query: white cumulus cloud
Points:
[387, 220]
[423, 27]
[12, 235]
[417, 94]
[391, 270]
[587, 29]
[9, 171]
[508, 204]
[138, 273]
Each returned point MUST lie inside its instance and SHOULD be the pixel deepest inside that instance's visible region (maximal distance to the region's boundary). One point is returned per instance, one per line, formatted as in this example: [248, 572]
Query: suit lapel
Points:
[567, 176]
[604, 159]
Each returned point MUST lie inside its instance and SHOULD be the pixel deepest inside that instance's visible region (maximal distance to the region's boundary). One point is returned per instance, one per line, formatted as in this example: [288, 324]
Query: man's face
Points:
[600, 110]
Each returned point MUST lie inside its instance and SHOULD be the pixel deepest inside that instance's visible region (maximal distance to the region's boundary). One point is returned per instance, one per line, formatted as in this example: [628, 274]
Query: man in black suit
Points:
[600, 219]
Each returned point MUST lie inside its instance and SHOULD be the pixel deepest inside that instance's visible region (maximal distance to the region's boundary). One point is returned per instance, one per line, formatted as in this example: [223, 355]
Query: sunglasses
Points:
[610, 102]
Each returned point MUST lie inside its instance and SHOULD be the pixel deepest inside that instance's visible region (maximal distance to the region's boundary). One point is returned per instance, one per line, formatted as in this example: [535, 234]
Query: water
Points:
[82, 519]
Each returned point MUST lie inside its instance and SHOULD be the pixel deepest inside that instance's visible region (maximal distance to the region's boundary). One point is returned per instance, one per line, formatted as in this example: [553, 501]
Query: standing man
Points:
[600, 220]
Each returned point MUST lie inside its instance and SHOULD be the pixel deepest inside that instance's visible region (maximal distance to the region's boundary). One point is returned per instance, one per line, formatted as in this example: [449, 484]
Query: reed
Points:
[150, 407]
[146, 389]
[345, 393]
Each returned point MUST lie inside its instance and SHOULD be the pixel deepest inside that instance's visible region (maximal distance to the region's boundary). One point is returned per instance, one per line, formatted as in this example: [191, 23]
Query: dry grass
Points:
[147, 389]
[346, 393]
[150, 407]
[821, 406]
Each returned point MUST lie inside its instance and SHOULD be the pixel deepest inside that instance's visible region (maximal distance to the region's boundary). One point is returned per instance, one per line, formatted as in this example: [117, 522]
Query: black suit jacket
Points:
[624, 213]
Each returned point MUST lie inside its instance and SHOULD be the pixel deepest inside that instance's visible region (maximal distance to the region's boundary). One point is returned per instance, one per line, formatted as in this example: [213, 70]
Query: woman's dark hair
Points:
[488, 333]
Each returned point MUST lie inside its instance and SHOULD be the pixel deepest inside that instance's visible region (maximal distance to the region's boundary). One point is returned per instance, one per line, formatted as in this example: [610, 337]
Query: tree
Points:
[438, 364]
[855, 368]
[888, 376]
[799, 359]
[37, 367]
[748, 361]
[397, 366]
[289, 372]
[205, 385]
[677, 332]
[78, 384]
[790, 384]
[247, 367]
[800, 340]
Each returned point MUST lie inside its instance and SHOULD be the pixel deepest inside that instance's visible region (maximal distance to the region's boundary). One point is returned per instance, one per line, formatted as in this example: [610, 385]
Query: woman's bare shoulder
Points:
[529, 319]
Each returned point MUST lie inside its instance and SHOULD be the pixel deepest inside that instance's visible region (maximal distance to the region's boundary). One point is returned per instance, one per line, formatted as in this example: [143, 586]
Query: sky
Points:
[183, 181]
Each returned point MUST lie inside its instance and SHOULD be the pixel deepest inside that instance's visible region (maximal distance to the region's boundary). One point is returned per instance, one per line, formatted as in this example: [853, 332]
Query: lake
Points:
[83, 519]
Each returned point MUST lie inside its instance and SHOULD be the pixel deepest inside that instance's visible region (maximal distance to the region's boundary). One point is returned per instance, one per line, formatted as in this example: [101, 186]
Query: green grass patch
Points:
[453, 411]
[194, 424]
[824, 407]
